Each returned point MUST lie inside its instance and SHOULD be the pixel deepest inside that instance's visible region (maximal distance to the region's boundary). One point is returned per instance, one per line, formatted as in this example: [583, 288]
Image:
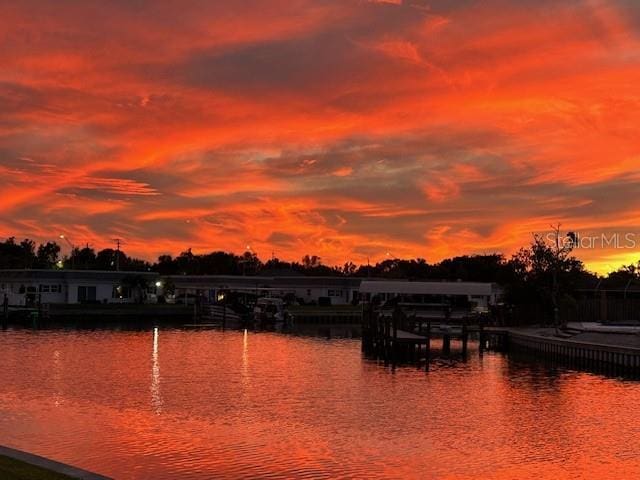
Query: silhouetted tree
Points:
[165, 265]
[14, 255]
[349, 268]
[623, 278]
[106, 259]
[81, 259]
[546, 273]
[48, 254]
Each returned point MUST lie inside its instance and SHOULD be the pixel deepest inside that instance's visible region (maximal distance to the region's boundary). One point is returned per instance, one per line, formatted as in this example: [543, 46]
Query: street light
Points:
[72, 250]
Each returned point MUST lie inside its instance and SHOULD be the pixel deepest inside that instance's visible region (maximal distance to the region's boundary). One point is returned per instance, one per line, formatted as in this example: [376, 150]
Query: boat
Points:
[270, 312]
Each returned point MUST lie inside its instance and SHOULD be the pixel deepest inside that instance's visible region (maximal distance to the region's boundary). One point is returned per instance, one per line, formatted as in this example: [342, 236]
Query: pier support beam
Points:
[446, 344]
[465, 339]
[428, 346]
[5, 312]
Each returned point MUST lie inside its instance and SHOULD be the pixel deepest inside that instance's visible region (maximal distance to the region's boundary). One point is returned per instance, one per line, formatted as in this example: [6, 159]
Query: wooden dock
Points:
[326, 315]
[397, 338]
[409, 337]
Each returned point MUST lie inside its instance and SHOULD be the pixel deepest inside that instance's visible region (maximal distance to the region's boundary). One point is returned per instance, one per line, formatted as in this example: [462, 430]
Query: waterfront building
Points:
[299, 288]
[478, 296]
[28, 287]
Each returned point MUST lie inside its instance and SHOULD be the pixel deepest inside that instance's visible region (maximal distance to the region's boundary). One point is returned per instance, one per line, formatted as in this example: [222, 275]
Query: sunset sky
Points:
[346, 129]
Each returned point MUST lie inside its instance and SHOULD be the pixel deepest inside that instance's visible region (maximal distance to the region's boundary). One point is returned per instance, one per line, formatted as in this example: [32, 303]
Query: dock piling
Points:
[5, 312]
[465, 338]
[446, 344]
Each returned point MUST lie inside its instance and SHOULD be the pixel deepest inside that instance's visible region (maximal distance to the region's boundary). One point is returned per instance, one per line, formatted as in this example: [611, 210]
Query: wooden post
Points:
[428, 352]
[365, 332]
[465, 337]
[394, 351]
[481, 335]
[446, 344]
[224, 316]
[387, 336]
[5, 312]
[39, 308]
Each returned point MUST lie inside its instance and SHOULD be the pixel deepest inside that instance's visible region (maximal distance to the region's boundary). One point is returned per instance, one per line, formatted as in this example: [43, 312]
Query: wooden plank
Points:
[408, 337]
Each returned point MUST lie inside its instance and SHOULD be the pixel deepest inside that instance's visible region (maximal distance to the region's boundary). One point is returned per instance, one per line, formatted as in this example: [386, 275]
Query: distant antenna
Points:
[119, 242]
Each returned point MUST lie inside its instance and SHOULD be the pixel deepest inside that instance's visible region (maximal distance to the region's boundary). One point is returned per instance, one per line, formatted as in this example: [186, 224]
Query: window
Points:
[308, 292]
[50, 288]
[335, 293]
[86, 294]
[120, 291]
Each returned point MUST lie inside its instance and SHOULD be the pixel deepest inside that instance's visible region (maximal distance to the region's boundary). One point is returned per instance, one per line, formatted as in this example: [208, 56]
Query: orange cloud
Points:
[346, 129]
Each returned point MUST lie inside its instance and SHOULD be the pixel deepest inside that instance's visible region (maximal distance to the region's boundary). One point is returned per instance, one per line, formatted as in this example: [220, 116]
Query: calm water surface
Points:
[173, 404]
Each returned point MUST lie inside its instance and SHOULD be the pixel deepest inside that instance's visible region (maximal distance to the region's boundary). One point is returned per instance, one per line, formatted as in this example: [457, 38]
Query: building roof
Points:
[221, 281]
[67, 275]
[428, 288]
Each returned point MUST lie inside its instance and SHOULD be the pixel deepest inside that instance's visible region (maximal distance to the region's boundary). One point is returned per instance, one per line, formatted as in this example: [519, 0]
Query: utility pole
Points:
[118, 243]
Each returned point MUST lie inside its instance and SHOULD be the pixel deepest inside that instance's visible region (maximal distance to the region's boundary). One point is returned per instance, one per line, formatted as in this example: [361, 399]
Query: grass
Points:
[11, 469]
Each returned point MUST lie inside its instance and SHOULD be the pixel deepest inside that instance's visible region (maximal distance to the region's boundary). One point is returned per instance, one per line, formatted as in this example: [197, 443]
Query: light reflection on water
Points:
[169, 404]
[156, 397]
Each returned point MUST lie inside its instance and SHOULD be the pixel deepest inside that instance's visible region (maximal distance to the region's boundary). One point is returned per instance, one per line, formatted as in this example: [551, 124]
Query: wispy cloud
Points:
[343, 128]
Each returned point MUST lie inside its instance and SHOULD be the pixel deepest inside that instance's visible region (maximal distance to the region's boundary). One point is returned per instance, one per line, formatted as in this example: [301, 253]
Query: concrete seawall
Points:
[625, 358]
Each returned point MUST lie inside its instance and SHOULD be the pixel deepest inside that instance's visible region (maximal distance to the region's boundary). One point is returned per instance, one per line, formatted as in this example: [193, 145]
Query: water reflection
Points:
[156, 397]
[245, 357]
[265, 405]
[57, 376]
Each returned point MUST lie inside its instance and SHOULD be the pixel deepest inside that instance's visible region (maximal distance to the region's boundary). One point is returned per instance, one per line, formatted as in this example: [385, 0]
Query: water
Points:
[173, 404]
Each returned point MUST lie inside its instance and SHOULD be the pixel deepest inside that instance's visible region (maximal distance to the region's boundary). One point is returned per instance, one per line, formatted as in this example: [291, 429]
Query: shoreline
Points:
[585, 350]
[47, 466]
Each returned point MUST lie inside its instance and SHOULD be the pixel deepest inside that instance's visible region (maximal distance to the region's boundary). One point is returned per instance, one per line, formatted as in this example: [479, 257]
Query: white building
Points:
[28, 287]
[478, 295]
[318, 290]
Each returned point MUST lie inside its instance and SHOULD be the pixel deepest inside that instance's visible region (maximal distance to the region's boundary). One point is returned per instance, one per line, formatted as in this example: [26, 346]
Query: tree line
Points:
[27, 254]
[542, 271]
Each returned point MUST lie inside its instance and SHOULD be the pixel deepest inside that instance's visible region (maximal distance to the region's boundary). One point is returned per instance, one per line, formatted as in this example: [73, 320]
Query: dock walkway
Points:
[394, 337]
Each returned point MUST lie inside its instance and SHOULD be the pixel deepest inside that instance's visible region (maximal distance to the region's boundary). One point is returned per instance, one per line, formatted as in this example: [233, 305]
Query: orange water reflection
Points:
[172, 404]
